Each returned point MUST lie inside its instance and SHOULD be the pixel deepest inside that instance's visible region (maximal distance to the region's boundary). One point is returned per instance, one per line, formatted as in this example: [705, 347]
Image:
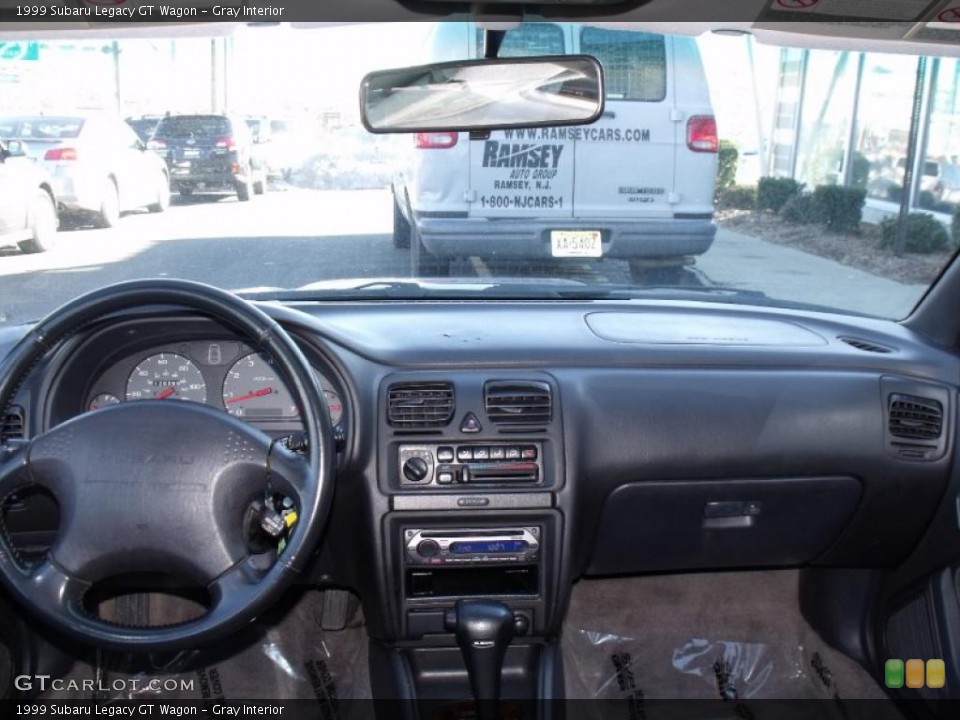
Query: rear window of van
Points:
[634, 63]
[528, 39]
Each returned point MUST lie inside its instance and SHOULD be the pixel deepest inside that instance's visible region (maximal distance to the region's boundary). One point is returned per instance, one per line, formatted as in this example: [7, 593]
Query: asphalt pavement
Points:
[294, 237]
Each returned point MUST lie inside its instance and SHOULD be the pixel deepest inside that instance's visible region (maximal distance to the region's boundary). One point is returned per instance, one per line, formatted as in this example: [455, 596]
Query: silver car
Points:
[98, 165]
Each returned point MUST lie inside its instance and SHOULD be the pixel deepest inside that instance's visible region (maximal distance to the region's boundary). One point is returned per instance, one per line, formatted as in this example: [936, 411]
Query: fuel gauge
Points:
[103, 400]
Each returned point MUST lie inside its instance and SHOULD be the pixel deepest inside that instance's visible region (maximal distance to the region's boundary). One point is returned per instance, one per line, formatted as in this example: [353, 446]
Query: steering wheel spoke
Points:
[14, 469]
[52, 591]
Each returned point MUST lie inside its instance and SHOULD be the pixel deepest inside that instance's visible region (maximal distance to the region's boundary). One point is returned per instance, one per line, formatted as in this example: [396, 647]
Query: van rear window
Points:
[528, 39]
[634, 63]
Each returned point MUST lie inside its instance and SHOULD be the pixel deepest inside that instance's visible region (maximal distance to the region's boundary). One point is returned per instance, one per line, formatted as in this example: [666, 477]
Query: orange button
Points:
[936, 674]
[915, 673]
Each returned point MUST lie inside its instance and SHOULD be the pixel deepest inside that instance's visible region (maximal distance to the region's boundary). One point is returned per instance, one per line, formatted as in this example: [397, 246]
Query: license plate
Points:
[576, 243]
[191, 153]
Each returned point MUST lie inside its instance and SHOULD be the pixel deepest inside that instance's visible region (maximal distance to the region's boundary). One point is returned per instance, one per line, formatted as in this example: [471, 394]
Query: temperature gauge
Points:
[334, 405]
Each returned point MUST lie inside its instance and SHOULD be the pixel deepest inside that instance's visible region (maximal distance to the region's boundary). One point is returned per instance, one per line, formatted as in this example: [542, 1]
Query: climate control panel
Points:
[442, 465]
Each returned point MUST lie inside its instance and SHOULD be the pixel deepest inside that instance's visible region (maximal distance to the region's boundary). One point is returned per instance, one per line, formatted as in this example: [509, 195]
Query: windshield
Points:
[722, 170]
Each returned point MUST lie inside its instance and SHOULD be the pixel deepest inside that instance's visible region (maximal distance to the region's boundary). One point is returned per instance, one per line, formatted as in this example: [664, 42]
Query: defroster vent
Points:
[518, 403]
[417, 406]
[915, 418]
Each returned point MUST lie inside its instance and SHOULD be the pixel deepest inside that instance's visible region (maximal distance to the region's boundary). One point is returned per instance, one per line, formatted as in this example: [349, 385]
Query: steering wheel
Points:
[164, 487]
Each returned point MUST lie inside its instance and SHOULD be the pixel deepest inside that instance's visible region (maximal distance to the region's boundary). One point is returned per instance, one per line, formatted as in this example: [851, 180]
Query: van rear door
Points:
[524, 173]
[625, 162]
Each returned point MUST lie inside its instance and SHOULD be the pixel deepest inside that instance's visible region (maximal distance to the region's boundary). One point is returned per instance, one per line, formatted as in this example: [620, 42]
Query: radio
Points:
[482, 546]
[439, 465]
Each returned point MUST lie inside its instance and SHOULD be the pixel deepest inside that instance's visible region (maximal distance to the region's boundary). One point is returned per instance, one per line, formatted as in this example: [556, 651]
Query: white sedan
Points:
[98, 165]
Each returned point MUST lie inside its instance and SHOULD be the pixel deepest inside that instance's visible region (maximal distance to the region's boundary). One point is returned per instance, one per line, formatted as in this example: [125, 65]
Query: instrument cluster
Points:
[220, 373]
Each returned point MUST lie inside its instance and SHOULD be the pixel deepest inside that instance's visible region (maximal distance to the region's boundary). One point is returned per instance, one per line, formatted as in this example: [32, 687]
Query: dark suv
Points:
[210, 153]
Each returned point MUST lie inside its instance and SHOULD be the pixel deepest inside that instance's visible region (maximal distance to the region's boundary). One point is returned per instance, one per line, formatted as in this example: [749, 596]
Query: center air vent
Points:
[414, 406]
[11, 426]
[518, 403]
[914, 418]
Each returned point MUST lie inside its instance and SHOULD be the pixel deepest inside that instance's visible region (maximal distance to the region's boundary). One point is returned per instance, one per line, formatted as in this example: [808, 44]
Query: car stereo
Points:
[519, 545]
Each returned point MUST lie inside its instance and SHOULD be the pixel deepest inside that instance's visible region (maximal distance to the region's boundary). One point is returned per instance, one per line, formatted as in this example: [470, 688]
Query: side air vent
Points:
[11, 426]
[914, 418]
[866, 345]
[417, 406]
[518, 403]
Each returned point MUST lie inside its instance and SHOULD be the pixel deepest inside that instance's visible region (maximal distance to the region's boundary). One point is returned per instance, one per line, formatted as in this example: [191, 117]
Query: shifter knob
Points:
[484, 629]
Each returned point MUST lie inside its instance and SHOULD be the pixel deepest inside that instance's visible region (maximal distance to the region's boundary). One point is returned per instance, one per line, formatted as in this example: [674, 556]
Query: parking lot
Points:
[291, 237]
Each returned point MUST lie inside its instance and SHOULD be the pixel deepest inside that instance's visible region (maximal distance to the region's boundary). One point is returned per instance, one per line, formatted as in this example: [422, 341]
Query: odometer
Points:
[166, 376]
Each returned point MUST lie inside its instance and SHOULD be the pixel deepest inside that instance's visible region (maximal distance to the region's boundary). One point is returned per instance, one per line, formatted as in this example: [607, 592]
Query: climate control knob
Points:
[415, 469]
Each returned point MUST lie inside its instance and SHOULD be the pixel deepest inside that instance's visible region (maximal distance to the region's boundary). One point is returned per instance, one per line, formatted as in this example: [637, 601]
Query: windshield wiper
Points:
[562, 289]
[426, 289]
[502, 288]
[628, 291]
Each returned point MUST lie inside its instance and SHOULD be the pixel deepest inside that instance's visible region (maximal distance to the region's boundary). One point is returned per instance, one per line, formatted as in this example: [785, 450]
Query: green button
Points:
[893, 673]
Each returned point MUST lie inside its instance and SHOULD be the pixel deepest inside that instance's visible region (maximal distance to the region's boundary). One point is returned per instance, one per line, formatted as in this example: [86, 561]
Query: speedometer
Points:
[253, 390]
[166, 375]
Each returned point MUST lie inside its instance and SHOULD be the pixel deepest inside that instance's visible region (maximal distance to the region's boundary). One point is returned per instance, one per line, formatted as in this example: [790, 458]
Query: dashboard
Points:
[507, 449]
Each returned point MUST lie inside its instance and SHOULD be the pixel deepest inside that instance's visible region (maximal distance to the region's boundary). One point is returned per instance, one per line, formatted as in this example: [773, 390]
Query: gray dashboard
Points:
[684, 435]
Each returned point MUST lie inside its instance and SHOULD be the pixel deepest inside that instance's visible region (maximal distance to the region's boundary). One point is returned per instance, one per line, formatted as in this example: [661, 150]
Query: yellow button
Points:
[914, 673]
[936, 674]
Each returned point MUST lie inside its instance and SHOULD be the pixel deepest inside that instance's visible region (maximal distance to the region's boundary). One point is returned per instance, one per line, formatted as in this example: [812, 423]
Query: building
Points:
[845, 118]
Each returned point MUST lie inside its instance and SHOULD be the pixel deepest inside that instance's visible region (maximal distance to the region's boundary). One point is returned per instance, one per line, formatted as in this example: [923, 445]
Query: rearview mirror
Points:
[483, 95]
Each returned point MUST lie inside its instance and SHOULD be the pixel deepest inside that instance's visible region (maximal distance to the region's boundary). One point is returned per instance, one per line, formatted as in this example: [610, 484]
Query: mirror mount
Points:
[492, 41]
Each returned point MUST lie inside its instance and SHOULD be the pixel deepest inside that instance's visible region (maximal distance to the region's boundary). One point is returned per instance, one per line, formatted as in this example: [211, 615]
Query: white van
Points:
[638, 184]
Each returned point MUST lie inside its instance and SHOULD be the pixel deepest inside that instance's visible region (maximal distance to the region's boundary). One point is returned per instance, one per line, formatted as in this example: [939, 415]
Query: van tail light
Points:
[156, 145]
[60, 154]
[702, 134]
[225, 142]
[435, 140]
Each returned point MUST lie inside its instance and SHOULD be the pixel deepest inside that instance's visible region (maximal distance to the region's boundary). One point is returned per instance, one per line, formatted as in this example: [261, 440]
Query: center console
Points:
[471, 466]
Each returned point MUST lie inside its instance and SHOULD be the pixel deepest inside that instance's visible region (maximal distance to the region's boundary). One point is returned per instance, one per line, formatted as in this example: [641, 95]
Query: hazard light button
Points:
[470, 424]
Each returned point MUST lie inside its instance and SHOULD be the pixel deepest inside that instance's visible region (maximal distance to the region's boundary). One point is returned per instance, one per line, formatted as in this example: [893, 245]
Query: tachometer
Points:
[166, 375]
[253, 390]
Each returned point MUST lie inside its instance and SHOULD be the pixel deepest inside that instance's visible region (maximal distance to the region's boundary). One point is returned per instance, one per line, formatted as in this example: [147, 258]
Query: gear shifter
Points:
[484, 629]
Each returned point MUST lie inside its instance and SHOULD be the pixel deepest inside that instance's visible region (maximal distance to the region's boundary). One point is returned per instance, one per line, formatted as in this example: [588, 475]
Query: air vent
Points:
[866, 345]
[518, 403]
[415, 406]
[914, 418]
[11, 427]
